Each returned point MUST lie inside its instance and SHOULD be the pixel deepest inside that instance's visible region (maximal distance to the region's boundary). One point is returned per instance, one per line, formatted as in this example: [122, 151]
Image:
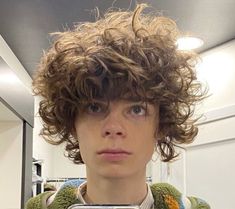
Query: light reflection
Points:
[189, 43]
[9, 78]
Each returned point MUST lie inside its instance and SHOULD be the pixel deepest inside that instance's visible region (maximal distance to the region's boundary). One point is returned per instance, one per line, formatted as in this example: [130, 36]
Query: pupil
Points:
[94, 108]
[137, 109]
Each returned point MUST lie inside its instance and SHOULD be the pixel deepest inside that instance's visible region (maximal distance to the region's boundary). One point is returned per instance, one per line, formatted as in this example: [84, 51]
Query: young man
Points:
[114, 91]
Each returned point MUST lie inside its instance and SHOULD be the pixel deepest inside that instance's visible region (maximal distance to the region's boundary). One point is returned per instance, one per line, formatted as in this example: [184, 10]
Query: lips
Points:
[113, 151]
[114, 155]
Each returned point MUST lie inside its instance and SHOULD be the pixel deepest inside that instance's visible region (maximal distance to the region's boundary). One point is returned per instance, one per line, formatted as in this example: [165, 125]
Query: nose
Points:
[113, 128]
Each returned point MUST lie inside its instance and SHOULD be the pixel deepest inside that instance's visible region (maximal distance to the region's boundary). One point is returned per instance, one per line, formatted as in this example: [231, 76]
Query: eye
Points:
[94, 108]
[138, 110]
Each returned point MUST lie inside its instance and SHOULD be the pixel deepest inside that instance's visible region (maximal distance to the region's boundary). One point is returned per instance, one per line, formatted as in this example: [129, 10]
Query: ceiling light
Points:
[189, 43]
[9, 78]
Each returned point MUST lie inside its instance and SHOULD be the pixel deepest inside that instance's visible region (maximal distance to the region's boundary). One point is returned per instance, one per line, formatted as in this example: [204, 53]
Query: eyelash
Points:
[97, 105]
[143, 108]
[102, 109]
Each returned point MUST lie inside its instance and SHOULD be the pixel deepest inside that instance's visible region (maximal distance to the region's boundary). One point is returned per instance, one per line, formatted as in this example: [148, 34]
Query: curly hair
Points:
[122, 54]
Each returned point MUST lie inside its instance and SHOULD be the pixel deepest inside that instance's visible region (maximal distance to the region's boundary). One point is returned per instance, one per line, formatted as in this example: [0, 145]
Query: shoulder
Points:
[62, 199]
[167, 196]
[38, 201]
[65, 197]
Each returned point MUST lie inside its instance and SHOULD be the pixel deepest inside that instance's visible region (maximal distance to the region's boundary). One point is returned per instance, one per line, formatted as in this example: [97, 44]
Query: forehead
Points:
[115, 95]
[123, 99]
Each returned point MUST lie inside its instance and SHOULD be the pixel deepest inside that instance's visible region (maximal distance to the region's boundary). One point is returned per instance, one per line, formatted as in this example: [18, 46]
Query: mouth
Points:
[113, 155]
[113, 151]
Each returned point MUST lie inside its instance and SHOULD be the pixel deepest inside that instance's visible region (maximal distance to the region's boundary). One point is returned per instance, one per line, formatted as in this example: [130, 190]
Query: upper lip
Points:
[114, 151]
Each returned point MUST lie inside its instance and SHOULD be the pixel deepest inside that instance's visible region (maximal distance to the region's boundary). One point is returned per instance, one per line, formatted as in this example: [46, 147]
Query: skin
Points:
[116, 143]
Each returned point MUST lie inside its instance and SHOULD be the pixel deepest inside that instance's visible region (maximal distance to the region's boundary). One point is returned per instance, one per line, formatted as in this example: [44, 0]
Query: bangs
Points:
[109, 87]
[111, 77]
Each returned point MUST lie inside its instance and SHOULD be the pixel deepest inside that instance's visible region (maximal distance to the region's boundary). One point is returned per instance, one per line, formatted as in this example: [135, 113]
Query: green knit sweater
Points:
[165, 197]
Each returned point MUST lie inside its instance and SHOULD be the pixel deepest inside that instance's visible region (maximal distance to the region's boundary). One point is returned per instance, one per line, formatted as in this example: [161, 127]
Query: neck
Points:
[116, 191]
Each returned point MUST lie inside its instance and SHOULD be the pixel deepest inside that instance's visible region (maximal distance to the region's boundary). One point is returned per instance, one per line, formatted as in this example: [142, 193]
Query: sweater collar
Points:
[147, 203]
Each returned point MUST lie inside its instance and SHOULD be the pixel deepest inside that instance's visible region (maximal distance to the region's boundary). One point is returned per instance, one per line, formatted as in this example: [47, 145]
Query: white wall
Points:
[218, 70]
[41, 149]
[206, 168]
[63, 167]
[55, 164]
[210, 159]
[209, 163]
[10, 164]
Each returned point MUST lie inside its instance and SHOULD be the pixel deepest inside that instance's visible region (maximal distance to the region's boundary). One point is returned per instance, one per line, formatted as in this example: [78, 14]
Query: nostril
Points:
[107, 133]
[113, 130]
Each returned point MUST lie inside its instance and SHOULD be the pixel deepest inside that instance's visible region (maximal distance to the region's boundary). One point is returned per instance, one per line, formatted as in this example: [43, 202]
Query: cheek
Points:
[144, 137]
[147, 135]
[86, 134]
[83, 128]
[150, 129]
[82, 136]
[85, 145]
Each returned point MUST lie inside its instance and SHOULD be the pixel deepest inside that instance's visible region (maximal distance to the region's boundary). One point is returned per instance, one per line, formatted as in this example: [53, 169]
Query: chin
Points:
[115, 174]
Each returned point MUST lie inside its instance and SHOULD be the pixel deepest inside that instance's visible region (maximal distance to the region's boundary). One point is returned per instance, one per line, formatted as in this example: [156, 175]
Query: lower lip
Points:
[110, 156]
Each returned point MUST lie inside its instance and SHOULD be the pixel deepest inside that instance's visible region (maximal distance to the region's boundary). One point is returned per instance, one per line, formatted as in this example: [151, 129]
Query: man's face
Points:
[117, 141]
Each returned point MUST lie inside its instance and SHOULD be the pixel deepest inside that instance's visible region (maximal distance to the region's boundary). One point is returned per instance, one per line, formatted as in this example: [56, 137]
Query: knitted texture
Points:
[39, 202]
[64, 198]
[165, 197]
[198, 203]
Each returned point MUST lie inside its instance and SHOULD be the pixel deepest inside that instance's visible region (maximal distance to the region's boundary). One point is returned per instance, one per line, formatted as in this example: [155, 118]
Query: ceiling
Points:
[25, 24]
